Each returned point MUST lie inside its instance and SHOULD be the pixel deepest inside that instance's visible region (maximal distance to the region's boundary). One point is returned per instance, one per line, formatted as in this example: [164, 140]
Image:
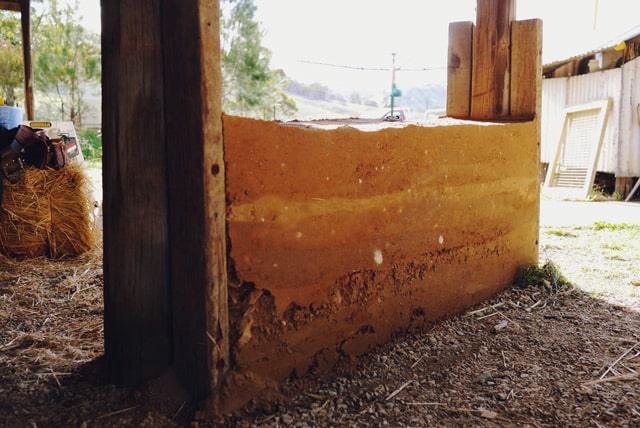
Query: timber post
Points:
[24, 8]
[495, 66]
[164, 195]
[25, 18]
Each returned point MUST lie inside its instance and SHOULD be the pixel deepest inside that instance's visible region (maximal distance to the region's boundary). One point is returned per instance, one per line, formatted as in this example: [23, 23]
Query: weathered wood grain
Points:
[164, 236]
[526, 68]
[196, 184]
[491, 56]
[136, 245]
[459, 69]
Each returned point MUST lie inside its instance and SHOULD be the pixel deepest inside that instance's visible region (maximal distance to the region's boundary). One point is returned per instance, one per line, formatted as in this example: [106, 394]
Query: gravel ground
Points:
[541, 353]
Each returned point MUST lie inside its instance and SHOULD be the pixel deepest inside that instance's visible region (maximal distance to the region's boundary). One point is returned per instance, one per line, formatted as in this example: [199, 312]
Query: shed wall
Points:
[559, 93]
[339, 238]
[629, 160]
[620, 152]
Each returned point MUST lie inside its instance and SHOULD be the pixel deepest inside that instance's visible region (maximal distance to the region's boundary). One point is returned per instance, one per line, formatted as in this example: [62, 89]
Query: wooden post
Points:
[459, 69]
[526, 68]
[25, 16]
[137, 268]
[24, 7]
[491, 54]
[163, 173]
[197, 220]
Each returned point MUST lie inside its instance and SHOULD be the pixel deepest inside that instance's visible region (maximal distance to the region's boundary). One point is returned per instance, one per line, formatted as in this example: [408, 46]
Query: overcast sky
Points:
[365, 33]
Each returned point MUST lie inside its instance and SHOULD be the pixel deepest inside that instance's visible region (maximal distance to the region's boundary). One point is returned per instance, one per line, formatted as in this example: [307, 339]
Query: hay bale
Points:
[48, 213]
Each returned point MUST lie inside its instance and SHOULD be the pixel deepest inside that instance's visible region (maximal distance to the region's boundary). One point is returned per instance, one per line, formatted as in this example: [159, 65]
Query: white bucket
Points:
[10, 117]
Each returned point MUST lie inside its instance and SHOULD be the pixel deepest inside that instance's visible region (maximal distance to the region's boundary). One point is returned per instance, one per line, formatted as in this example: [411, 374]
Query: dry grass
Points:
[51, 314]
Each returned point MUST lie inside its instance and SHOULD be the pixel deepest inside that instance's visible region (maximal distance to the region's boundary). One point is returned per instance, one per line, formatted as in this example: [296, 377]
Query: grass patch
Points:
[547, 275]
[559, 232]
[600, 259]
[613, 247]
[604, 225]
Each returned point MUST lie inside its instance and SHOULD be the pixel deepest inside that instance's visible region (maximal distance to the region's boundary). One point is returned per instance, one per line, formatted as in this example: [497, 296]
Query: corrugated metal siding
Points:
[629, 160]
[579, 90]
[620, 152]
[554, 95]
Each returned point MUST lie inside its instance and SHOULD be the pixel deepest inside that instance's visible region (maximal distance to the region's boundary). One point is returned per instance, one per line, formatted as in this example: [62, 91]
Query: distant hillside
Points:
[309, 109]
[317, 101]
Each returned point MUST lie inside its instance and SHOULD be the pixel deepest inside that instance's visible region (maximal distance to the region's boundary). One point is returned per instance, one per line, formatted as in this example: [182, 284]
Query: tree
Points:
[66, 60]
[250, 88]
[11, 69]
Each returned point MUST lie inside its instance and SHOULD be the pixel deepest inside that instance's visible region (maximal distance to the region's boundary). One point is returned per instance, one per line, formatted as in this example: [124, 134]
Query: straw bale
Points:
[48, 213]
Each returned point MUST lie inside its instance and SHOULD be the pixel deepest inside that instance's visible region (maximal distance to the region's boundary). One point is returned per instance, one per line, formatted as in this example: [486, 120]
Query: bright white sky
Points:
[365, 33]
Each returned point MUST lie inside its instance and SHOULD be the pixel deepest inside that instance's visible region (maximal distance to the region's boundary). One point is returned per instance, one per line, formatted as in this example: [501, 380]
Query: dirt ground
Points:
[542, 353]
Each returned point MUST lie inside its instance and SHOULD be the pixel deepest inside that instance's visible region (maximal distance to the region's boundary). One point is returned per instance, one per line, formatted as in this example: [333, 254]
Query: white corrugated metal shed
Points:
[620, 153]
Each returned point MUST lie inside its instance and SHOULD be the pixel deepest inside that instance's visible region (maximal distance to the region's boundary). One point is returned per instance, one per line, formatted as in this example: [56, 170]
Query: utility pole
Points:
[395, 91]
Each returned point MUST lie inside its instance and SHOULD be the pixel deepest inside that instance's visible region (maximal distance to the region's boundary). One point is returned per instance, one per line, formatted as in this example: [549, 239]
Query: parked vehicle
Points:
[398, 115]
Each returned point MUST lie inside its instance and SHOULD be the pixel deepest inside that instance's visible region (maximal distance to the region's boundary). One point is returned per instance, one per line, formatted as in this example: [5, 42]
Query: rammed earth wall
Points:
[341, 237]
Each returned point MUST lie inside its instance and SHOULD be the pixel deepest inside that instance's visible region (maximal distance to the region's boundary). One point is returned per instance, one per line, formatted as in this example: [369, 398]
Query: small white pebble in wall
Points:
[441, 239]
[298, 235]
[377, 256]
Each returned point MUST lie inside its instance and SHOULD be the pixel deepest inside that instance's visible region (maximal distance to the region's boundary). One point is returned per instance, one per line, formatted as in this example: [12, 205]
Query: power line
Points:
[344, 66]
[351, 67]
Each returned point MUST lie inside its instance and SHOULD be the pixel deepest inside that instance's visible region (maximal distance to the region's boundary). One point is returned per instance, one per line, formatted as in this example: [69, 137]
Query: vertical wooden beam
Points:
[526, 68]
[491, 54]
[164, 228]
[459, 65]
[197, 226]
[25, 16]
[137, 268]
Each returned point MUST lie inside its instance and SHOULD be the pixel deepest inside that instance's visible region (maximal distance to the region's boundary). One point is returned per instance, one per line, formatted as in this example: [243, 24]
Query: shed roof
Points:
[633, 33]
[13, 5]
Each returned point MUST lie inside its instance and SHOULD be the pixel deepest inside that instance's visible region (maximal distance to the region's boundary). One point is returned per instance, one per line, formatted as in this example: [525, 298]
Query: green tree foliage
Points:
[250, 87]
[91, 144]
[11, 69]
[66, 60]
[314, 91]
